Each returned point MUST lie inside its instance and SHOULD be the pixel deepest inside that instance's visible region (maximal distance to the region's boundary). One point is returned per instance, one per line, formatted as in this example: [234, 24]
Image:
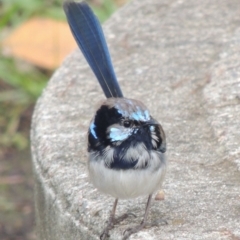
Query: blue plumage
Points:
[89, 36]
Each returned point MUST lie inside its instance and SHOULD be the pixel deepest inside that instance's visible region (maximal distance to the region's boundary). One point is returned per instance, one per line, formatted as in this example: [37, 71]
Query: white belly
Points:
[131, 183]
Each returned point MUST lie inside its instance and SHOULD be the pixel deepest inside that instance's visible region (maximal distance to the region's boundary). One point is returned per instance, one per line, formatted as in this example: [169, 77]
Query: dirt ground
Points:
[16, 196]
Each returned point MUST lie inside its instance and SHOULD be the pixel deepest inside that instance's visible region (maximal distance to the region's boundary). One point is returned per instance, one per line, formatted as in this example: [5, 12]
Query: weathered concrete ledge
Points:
[182, 58]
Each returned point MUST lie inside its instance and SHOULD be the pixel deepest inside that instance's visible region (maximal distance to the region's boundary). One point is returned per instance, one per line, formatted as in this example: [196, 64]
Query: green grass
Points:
[21, 86]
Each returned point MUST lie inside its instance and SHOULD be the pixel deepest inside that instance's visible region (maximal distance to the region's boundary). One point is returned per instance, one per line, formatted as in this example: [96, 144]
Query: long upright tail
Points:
[89, 36]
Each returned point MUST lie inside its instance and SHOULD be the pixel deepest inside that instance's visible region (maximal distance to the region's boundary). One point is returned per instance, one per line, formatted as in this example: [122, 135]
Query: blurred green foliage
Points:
[104, 10]
[20, 86]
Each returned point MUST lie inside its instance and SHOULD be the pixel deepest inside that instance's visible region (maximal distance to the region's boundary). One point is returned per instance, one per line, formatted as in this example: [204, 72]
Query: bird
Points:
[126, 145]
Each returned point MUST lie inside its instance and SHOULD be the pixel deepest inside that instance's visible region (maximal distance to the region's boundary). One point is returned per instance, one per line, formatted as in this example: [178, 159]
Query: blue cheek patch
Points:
[152, 128]
[118, 135]
[92, 129]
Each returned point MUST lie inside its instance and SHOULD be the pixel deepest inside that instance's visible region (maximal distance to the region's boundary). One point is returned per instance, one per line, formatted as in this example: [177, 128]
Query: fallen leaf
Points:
[40, 41]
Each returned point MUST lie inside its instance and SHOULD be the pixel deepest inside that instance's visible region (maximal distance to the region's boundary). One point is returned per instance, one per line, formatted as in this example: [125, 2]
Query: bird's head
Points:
[124, 127]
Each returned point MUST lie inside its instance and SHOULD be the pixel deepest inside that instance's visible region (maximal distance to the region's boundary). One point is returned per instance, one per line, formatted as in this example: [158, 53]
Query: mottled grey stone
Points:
[182, 58]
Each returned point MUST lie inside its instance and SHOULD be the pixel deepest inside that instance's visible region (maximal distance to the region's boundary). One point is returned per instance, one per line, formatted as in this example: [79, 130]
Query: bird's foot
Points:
[111, 223]
[129, 231]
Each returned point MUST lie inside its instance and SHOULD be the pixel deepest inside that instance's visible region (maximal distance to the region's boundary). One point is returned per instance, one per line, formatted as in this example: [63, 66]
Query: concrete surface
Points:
[182, 58]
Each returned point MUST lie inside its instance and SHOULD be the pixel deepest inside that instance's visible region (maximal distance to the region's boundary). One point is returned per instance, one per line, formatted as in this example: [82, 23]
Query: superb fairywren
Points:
[126, 144]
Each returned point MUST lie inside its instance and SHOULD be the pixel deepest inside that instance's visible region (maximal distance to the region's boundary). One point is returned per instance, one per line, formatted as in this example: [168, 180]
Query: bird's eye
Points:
[127, 123]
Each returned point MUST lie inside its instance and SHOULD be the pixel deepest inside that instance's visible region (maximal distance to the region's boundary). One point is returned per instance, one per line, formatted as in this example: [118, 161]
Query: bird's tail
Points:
[89, 36]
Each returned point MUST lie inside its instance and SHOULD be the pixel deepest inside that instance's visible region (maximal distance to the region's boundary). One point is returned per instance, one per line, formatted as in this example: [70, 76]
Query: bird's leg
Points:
[110, 225]
[113, 221]
[130, 231]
